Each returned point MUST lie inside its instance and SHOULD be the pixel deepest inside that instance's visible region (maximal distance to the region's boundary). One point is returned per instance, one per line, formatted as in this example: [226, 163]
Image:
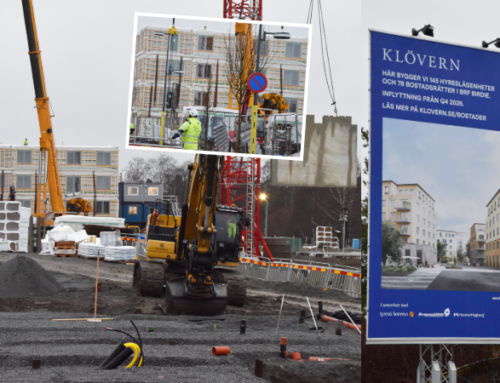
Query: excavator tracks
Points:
[149, 278]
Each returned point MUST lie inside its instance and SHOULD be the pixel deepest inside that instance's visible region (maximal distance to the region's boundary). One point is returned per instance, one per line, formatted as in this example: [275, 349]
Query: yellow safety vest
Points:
[191, 133]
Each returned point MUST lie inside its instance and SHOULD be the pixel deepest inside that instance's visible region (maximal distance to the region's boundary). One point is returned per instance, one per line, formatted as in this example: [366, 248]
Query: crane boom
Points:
[47, 143]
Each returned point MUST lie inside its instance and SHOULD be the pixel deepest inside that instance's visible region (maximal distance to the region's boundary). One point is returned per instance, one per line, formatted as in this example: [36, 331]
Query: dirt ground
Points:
[72, 351]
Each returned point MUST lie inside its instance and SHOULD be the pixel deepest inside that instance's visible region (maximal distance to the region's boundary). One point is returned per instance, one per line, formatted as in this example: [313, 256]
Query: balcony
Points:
[405, 206]
[402, 220]
[403, 234]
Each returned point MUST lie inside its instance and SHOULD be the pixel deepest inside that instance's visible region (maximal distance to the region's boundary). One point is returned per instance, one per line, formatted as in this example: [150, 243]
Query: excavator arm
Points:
[198, 292]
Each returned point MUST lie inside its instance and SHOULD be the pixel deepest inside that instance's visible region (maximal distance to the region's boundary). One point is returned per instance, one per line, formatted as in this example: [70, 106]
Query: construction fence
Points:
[344, 278]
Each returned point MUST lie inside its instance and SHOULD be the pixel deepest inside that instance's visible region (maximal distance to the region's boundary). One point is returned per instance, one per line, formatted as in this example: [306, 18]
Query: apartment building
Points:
[200, 55]
[492, 228]
[477, 240]
[411, 211]
[77, 167]
[454, 241]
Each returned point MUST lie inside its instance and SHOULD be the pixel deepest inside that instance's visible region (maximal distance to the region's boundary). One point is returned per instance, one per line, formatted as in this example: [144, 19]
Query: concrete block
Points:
[330, 156]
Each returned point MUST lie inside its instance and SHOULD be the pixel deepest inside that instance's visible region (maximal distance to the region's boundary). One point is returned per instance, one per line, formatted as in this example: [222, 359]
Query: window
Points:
[433, 236]
[393, 216]
[103, 158]
[24, 156]
[383, 216]
[153, 191]
[440, 234]
[203, 70]
[292, 104]
[293, 49]
[411, 191]
[25, 203]
[429, 234]
[386, 190]
[423, 242]
[429, 223]
[383, 203]
[103, 182]
[417, 241]
[23, 181]
[205, 43]
[132, 210]
[102, 207]
[200, 98]
[423, 233]
[173, 65]
[424, 221]
[393, 202]
[291, 77]
[451, 240]
[417, 230]
[401, 191]
[133, 191]
[73, 184]
[418, 218]
[74, 158]
[404, 229]
[404, 216]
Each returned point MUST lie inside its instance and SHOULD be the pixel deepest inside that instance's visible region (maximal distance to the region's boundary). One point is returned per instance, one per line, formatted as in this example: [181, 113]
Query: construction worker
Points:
[190, 131]
[132, 131]
[231, 228]
[26, 141]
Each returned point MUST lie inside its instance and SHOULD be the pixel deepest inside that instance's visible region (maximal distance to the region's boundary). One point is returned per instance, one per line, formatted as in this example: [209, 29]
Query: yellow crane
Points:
[48, 158]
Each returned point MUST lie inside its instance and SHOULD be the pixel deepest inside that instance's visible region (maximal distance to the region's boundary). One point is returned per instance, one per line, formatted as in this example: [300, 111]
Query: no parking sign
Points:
[257, 82]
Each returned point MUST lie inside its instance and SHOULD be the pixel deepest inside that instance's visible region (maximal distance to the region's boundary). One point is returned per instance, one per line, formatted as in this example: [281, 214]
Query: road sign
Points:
[257, 82]
[431, 103]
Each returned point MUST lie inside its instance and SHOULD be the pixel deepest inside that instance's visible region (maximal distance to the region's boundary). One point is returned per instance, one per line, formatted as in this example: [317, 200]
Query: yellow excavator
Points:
[48, 158]
[195, 255]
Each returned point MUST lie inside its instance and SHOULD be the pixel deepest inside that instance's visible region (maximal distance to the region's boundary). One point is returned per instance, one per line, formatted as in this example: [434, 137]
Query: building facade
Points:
[492, 228]
[477, 241]
[455, 241]
[200, 55]
[77, 167]
[411, 211]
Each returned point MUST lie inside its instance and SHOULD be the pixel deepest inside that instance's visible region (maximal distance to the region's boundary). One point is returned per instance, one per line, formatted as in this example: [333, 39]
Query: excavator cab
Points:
[228, 223]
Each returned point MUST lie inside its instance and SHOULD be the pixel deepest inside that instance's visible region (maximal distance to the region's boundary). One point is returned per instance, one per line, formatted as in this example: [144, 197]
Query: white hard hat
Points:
[192, 112]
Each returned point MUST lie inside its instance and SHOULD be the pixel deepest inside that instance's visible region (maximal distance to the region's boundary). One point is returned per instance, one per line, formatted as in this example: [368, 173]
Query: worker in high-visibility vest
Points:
[25, 141]
[132, 131]
[190, 131]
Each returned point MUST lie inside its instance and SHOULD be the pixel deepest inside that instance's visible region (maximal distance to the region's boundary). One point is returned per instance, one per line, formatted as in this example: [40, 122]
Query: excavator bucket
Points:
[190, 300]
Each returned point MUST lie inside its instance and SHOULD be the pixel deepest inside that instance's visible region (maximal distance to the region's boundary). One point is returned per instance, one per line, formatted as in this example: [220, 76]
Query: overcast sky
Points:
[457, 21]
[457, 166]
[87, 49]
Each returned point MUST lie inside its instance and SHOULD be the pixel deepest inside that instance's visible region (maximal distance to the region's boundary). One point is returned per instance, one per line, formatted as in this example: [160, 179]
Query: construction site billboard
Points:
[189, 86]
[330, 159]
[433, 164]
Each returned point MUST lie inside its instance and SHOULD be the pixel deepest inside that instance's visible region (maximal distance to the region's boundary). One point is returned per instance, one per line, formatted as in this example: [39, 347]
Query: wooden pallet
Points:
[94, 258]
[65, 255]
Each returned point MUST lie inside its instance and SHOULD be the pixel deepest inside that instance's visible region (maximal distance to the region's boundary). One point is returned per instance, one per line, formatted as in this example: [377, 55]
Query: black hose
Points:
[131, 337]
[140, 340]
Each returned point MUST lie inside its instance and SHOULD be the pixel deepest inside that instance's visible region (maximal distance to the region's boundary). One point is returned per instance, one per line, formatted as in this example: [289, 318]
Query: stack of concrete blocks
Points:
[14, 226]
[281, 248]
[90, 250]
[325, 238]
[119, 253]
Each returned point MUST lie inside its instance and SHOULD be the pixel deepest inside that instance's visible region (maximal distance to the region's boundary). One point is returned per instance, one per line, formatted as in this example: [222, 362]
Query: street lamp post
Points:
[171, 32]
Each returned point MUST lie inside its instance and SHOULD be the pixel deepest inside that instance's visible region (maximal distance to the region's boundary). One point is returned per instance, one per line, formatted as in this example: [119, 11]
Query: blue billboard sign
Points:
[434, 226]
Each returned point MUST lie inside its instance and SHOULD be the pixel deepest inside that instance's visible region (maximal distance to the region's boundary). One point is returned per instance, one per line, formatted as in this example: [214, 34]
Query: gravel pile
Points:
[22, 276]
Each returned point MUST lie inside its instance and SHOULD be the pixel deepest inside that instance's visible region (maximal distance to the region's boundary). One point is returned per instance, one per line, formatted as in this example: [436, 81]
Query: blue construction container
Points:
[355, 243]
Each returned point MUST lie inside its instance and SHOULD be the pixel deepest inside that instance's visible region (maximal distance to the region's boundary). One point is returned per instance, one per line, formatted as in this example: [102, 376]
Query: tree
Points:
[392, 245]
[240, 54]
[365, 136]
[467, 250]
[460, 254]
[441, 250]
[206, 101]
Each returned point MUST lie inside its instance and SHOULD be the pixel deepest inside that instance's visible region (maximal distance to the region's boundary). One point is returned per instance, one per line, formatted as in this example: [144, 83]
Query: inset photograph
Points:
[231, 87]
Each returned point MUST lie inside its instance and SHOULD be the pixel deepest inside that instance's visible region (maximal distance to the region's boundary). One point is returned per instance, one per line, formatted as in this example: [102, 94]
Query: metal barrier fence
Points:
[344, 278]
